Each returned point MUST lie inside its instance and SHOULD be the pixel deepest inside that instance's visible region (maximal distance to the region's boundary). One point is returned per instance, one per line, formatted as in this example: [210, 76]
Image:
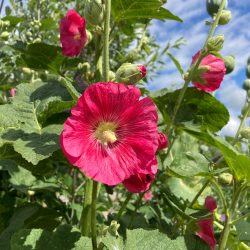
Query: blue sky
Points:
[194, 30]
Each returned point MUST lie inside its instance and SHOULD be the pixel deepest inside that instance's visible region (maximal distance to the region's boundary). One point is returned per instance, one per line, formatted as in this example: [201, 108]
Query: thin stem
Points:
[106, 40]
[71, 89]
[243, 120]
[138, 202]
[199, 193]
[124, 205]
[93, 215]
[86, 211]
[1, 6]
[241, 218]
[221, 195]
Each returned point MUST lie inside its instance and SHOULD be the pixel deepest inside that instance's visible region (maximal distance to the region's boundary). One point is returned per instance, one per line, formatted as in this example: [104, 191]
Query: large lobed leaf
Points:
[22, 123]
[141, 9]
[197, 107]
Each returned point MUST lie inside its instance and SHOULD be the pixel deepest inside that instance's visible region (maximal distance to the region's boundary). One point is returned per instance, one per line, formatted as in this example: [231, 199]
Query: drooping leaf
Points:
[197, 107]
[177, 63]
[64, 237]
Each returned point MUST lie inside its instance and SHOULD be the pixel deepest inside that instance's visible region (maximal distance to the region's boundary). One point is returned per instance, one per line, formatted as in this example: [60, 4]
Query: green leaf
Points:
[140, 239]
[237, 162]
[177, 64]
[243, 230]
[190, 162]
[140, 9]
[197, 107]
[64, 237]
[27, 217]
[14, 20]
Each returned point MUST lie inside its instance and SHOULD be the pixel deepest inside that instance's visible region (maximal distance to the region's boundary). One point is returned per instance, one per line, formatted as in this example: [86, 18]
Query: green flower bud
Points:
[30, 192]
[225, 17]
[93, 12]
[133, 55]
[215, 43]
[248, 93]
[27, 71]
[248, 60]
[111, 76]
[4, 24]
[242, 246]
[246, 85]
[243, 111]
[229, 63]
[89, 37]
[225, 179]
[213, 6]
[248, 71]
[4, 35]
[130, 73]
[245, 133]
[37, 40]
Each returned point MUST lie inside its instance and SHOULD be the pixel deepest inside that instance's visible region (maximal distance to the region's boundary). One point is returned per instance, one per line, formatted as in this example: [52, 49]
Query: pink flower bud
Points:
[162, 141]
[142, 69]
[210, 203]
[210, 72]
[13, 92]
[148, 196]
[72, 33]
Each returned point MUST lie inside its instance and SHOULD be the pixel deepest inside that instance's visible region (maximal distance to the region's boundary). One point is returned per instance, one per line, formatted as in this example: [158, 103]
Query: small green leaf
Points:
[177, 64]
[243, 230]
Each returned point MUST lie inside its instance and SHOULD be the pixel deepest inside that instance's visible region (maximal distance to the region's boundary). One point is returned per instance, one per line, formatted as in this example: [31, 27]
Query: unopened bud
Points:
[244, 110]
[130, 73]
[245, 133]
[4, 35]
[30, 192]
[111, 76]
[162, 141]
[133, 55]
[27, 71]
[248, 93]
[242, 246]
[248, 71]
[213, 6]
[215, 43]
[248, 60]
[93, 12]
[246, 84]
[89, 37]
[4, 24]
[229, 63]
[225, 17]
[225, 179]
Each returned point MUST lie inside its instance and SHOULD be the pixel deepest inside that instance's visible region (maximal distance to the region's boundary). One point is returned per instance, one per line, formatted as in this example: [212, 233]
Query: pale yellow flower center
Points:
[77, 36]
[106, 132]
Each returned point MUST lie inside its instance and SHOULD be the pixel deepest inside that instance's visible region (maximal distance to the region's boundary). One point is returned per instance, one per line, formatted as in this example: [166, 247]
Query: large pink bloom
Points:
[141, 181]
[205, 226]
[72, 33]
[111, 134]
[212, 78]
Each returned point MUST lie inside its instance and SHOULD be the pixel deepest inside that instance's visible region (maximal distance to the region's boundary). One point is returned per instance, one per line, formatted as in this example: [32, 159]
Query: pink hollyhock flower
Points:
[206, 231]
[210, 74]
[148, 196]
[72, 33]
[162, 141]
[111, 134]
[13, 92]
[141, 181]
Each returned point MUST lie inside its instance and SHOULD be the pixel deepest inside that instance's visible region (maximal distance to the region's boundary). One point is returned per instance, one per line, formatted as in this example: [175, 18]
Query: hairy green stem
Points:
[124, 205]
[243, 120]
[71, 89]
[106, 40]
[199, 193]
[93, 215]
[86, 211]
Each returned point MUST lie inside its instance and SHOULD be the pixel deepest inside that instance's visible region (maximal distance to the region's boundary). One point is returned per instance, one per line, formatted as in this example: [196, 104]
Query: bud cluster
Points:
[246, 83]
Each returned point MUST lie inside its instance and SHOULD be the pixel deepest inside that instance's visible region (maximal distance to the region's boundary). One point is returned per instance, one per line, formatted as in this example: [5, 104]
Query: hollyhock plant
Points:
[72, 33]
[162, 141]
[141, 181]
[205, 226]
[111, 133]
[210, 72]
